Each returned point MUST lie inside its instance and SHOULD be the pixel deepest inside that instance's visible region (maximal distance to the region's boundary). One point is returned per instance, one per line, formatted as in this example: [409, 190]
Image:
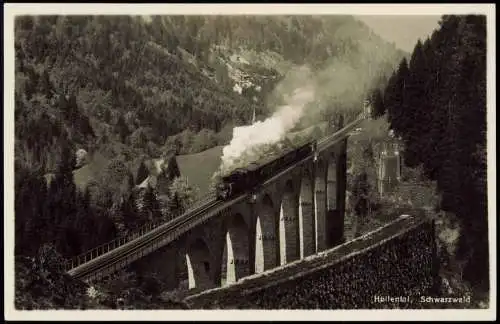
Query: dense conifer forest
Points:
[436, 102]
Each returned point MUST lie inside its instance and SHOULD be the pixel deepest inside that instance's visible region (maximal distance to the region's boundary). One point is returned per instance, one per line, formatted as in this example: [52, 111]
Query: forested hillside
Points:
[437, 103]
[127, 89]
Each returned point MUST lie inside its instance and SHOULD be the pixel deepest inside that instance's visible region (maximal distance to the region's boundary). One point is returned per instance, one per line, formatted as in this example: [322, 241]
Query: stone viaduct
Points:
[290, 217]
[297, 213]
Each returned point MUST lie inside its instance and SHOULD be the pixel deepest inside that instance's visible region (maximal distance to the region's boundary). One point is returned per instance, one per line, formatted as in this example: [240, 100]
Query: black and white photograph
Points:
[265, 157]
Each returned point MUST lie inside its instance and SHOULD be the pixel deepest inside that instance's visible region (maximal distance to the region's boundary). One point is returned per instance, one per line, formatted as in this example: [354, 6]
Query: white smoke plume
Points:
[253, 141]
[339, 86]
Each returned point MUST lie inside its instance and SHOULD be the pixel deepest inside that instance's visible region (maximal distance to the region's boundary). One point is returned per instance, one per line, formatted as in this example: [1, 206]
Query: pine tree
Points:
[394, 97]
[471, 123]
[29, 211]
[426, 105]
[73, 112]
[130, 213]
[401, 119]
[23, 218]
[360, 192]
[62, 105]
[151, 208]
[45, 85]
[61, 200]
[106, 229]
[142, 173]
[173, 170]
[377, 104]
[130, 182]
[175, 204]
[420, 106]
[83, 221]
[389, 98]
[122, 129]
[163, 182]
[107, 115]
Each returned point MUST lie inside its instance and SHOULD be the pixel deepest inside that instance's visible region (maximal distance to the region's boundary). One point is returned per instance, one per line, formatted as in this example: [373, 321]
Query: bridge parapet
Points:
[141, 231]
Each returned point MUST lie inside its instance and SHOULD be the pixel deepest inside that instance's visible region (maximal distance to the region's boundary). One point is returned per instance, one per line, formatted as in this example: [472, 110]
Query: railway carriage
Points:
[245, 179]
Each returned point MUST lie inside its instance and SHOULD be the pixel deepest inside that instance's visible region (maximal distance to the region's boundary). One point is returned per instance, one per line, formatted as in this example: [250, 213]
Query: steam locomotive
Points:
[243, 179]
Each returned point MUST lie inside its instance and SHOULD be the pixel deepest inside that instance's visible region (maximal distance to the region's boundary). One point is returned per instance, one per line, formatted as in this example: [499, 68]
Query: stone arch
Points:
[265, 236]
[306, 216]
[236, 250]
[331, 187]
[199, 265]
[320, 208]
[289, 225]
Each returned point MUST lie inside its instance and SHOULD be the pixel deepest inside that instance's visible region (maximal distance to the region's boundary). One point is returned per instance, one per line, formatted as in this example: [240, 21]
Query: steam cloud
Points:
[338, 86]
[250, 141]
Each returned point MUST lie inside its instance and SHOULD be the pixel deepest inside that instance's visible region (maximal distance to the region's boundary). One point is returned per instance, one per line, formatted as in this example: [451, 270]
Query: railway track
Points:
[112, 258]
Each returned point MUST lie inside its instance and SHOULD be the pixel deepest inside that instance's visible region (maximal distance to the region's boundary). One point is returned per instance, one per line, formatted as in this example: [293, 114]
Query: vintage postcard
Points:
[226, 161]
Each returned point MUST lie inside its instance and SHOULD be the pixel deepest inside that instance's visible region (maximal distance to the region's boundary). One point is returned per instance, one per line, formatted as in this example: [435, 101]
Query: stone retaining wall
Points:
[396, 260]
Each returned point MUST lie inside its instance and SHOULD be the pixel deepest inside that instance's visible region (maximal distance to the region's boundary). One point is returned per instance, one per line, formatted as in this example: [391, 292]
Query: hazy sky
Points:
[404, 31]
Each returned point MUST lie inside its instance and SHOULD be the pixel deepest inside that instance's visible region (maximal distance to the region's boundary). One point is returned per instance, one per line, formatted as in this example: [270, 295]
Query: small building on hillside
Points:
[162, 172]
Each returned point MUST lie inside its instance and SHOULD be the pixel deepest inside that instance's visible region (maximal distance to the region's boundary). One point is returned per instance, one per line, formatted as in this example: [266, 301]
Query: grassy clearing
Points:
[90, 171]
[200, 167]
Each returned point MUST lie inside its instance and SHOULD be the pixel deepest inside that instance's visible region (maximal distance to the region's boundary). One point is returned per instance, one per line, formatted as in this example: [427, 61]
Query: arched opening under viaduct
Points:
[236, 251]
[306, 217]
[335, 199]
[331, 188]
[320, 210]
[265, 237]
[199, 267]
[289, 226]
